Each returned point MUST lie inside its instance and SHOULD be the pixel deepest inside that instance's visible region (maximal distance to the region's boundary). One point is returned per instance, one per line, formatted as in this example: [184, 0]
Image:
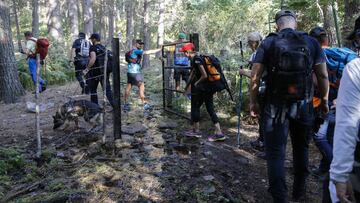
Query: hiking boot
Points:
[257, 144]
[126, 107]
[319, 173]
[147, 107]
[43, 88]
[299, 189]
[217, 137]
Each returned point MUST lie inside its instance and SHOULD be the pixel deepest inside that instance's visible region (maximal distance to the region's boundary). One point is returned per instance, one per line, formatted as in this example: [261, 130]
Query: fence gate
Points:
[174, 101]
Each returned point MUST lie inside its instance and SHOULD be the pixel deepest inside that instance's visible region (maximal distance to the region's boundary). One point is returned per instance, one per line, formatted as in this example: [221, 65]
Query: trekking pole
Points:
[240, 96]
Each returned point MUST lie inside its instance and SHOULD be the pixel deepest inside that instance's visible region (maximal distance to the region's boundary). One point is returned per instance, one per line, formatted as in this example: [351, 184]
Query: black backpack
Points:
[128, 58]
[100, 56]
[216, 78]
[290, 76]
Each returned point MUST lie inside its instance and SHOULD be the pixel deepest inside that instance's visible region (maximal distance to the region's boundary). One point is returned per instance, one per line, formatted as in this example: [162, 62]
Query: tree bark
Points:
[35, 18]
[54, 20]
[329, 24]
[88, 17]
[146, 58]
[110, 9]
[18, 35]
[352, 10]
[74, 20]
[10, 86]
[161, 26]
[138, 21]
[129, 23]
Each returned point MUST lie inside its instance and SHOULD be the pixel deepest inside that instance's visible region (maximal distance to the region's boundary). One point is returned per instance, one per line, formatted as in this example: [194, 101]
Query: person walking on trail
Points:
[180, 60]
[134, 75]
[289, 57]
[30, 51]
[94, 70]
[344, 169]
[80, 57]
[254, 40]
[200, 93]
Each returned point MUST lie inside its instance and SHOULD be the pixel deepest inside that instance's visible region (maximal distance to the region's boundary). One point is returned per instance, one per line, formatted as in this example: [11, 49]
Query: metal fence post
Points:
[116, 86]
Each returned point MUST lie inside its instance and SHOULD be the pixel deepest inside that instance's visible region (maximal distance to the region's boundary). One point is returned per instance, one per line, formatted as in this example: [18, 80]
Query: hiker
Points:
[354, 37]
[201, 92]
[344, 169]
[180, 60]
[80, 57]
[30, 51]
[288, 100]
[254, 40]
[134, 75]
[94, 70]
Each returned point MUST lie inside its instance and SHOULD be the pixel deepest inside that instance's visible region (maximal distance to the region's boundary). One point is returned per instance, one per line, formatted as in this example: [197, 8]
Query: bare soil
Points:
[157, 165]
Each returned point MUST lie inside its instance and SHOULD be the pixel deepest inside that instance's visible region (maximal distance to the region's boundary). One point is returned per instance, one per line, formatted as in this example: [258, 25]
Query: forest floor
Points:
[153, 162]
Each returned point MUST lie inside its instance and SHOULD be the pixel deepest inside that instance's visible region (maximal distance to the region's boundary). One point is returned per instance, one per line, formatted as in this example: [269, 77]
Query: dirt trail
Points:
[152, 163]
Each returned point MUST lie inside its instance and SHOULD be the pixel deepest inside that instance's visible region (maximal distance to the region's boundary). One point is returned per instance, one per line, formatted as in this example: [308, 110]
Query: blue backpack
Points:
[337, 58]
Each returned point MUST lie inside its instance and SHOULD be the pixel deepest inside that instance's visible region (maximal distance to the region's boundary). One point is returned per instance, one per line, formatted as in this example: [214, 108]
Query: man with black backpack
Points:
[95, 70]
[289, 57]
[80, 57]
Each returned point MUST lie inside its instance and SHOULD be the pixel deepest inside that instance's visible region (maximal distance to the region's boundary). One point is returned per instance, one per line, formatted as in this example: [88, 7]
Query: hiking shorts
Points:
[180, 72]
[134, 78]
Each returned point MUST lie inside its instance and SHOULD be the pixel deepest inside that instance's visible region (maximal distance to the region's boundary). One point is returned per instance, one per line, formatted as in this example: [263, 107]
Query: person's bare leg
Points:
[127, 92]
[218, 129]
[142, 92]
[177, 85]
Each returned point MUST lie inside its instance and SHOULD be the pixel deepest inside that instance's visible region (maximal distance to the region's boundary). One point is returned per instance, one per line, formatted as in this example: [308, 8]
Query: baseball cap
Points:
[139, 41]
[182, 35]
[254, 37]
[95, 36]
[317, 32]
[283, 13]
[187, 47]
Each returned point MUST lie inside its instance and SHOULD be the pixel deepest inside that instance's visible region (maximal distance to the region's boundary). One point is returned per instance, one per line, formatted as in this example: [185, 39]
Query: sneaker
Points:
[126, 107]
[257, 144]
[192, 133]
[147, 107]
[216, 137]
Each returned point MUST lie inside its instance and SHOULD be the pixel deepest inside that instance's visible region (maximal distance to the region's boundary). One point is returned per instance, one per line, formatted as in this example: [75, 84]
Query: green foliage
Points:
[10, 160]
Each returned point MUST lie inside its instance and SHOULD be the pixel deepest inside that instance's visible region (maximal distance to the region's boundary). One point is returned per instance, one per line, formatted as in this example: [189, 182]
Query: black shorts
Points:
[185, 73]
[134, 78]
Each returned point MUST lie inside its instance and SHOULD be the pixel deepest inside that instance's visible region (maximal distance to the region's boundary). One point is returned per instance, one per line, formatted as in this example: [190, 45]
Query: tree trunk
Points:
[35, 18]
[54, 20]
[111, 13]
[352, 10]
[18, 35]
[10, 86]
[88, 17]
[73, 16]
[329, 24]
[146, 58]
[138, 22]
[161, 27]
[129, 23]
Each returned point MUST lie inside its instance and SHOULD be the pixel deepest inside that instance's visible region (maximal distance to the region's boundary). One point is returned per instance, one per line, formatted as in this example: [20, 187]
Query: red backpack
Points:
[42, 47]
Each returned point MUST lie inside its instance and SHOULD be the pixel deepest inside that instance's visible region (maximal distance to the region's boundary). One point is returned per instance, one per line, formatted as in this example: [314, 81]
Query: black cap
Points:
[317, 32]
[284, 13]
[139, 41]
[352, 35]
[81, 35]
[95, 36]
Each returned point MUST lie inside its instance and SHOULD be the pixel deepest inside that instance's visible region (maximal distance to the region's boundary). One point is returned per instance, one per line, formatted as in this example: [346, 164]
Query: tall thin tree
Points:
[161, 27]
[35, 18]
[73, 16]
[110, 8]
[129, 23]
[352, 10]
[18, 35]
[88, 17]
[54, 20]
[146, 60]
[10, 86]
